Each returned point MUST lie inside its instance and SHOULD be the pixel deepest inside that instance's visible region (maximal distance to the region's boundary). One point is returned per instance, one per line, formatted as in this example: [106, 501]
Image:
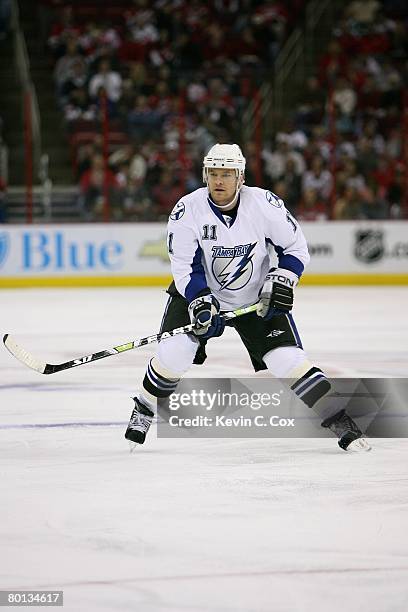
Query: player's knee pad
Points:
[158, 380]
[176, 354]
[287, 362]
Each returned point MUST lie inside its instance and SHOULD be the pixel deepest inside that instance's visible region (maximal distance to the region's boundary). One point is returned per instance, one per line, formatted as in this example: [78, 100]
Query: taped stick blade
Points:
[22, 355]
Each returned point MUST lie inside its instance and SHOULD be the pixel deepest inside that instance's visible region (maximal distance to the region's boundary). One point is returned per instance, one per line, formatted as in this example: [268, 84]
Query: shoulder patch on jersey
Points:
[178, 211]
[274, 200]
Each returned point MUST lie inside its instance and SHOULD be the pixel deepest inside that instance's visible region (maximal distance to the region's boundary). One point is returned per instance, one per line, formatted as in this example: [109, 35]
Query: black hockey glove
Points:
[205, 314]
[277, 293]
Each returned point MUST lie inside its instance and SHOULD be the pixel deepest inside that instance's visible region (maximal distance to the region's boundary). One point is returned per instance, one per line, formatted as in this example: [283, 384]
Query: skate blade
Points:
[359, 446]
[132, 446]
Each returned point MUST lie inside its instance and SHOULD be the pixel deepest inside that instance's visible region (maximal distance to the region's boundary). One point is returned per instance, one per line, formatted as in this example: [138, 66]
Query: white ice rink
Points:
[234, 525]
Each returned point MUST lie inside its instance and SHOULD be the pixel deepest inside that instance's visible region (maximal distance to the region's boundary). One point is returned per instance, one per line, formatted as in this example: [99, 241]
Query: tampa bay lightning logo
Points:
[178, 211]
[4, 247]
[274, 200]
[233, 266]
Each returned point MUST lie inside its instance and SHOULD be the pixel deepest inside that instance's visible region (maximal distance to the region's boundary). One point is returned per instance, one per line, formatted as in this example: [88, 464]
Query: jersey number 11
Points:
[209, 232]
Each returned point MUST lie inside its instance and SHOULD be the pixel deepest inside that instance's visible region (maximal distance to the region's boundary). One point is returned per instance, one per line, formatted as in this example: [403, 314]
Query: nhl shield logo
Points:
[369, 246]
[4, 247]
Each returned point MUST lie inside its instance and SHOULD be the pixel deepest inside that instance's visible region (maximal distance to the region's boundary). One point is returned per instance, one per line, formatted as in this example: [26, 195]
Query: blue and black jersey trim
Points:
[287, 262]
[197, 282]
[233, 213]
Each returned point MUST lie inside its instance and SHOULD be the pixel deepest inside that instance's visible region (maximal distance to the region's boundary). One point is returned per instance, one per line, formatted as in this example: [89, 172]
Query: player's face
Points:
[222, 184]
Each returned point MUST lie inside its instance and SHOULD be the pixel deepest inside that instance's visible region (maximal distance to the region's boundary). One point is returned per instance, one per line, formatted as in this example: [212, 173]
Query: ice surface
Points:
[197, 525]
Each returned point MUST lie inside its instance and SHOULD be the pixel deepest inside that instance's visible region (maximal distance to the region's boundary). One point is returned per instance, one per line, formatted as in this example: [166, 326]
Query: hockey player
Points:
[219, 241]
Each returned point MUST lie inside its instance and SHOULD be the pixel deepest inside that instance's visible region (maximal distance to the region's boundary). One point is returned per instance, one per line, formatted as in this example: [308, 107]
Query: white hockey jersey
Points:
[231, 257]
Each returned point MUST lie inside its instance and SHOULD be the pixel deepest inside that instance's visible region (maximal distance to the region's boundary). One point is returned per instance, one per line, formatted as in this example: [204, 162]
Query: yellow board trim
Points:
[85, 281]
[163, 281]
[354, 279]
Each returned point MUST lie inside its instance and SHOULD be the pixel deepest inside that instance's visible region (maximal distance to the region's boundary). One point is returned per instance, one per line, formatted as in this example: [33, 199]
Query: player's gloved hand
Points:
[205, 314]
[277, 293]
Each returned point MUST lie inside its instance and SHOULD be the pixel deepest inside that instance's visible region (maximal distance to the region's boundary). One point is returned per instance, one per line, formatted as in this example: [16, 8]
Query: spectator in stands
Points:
[202, 135]
[143, 120]
[310, 111]
[132, 158]
[247, 47]
[187, 53]
[141, 24]
[168, 158]
[319, 144]
[132, 198]
[371, 131]
[79, 106]
[353, 178]
[62, 30]
[391, 85]
[190, 69]
[293, 185]
[98, 40]
[137, 78]
[348, 205]
[333, 63]
[383, 175]
[319, 179]
[393, 145]
[296, 139]
[362, 11]
[77, 78]
[312, 207]
[254, 169]
[215, 47]
[96, 184]
[86, 152]
[138, 203]
[367, 155]
[270, 20]
[108, 79]
[345, 101]
[137, 166]
[275, 161]
[369, 98]
[220, 113]
[64, 68]
[165, 193]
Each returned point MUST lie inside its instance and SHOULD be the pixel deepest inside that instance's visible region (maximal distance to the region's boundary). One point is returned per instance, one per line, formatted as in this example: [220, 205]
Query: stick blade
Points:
[22, 355]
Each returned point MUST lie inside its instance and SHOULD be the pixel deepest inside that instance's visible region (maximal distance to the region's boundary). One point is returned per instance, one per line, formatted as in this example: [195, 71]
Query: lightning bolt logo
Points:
[235, 269]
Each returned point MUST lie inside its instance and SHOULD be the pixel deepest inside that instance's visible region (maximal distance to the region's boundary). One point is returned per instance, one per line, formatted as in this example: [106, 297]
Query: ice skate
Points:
[350, 436]
[139, 424]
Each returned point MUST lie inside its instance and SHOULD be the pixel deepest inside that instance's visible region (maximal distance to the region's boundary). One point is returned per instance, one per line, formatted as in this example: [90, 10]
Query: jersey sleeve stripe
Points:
[292, 263]
[287, 261]
[198, 281]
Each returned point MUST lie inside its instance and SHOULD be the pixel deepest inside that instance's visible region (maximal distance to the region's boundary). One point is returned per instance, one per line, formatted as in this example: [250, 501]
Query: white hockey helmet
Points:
[225, 156]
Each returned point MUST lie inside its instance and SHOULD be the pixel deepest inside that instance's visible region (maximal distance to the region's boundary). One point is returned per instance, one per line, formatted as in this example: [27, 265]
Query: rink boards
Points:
[135, 254]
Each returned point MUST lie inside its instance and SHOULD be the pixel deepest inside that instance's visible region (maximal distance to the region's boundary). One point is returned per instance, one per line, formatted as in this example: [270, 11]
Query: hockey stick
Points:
[48, 368]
